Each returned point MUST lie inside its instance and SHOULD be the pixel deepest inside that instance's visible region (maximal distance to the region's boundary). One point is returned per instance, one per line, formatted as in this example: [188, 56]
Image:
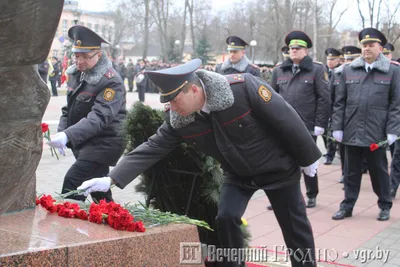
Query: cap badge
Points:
[78, 42]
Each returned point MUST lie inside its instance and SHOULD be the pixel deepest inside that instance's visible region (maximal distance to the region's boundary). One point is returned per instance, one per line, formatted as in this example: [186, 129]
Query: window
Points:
[96, 28]
[89, 25]
[55, 53]
[65, 27]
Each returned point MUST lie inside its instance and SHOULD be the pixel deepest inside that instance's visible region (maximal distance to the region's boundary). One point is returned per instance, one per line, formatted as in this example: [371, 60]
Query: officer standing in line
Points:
[388, 49]
[285, 52]
[350, 53]
[332, 62]
[366, 111]
[304, 84]
[258, 138]
[91, 124]
[237, 61]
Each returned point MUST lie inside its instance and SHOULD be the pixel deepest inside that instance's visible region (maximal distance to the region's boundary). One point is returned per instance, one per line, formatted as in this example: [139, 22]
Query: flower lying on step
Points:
[244, 222]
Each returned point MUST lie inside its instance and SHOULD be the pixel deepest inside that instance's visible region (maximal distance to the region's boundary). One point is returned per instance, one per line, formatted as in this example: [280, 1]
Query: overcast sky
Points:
[351, 19]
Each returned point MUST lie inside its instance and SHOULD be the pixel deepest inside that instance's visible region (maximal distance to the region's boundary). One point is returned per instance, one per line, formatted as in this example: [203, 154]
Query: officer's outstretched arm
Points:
[279, 115]
[146, 155]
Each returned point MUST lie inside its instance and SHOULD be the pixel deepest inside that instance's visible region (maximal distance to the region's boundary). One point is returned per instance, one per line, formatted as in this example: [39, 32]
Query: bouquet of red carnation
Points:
[46, 134]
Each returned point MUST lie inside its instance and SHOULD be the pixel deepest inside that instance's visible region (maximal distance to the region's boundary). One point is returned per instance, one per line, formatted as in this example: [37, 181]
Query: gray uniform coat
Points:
[306, 90]
[94, 115]
[257, 137]
[243, 66]
[367, 105]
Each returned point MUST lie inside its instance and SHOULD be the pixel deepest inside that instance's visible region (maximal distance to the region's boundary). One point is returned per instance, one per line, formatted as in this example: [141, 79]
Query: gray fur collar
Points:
[94, 75]
[240, 66]
[219, 97]
[339, 69]
[381, 63]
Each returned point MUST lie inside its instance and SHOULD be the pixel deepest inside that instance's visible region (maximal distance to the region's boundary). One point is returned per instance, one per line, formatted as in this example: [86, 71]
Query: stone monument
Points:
[27, 31]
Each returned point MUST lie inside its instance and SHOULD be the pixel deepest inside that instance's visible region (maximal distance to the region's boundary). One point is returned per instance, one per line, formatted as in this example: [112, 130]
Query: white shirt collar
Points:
[369, 65]
[205, 107]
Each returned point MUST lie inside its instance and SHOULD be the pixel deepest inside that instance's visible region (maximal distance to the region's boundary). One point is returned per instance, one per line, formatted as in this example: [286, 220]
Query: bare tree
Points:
[146, 27]
[391, 27]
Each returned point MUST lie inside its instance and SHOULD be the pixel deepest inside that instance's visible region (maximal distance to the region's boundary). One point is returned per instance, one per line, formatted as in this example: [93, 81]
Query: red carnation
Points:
[45, 127]
[373, 147]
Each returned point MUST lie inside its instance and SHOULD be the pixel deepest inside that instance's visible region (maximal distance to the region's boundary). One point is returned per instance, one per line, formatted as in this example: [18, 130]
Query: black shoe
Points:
[328, 161]
[384, 215]
[269, 207]
[393, 193]
[341, 180]
[341, 214]
[311, 202]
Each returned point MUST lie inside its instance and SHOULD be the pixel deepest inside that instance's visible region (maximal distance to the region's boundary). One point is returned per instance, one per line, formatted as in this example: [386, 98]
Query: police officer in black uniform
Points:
[304, 84]
[349, 53]
[92, 121]
[285, 52]
[237, 61]
[332, 62]
[367, 111]
[258, 138]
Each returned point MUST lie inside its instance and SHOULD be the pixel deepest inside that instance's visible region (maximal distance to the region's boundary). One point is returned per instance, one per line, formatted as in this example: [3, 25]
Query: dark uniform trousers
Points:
[290, 211]
[81, 171]
[395, 168]
[377, 166]
[311, 182]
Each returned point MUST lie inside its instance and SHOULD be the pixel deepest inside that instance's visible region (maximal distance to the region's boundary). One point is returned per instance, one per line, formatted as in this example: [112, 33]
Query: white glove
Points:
[391, 138]
[96, 185]
[61, 151]
[312, 169]
[59, 140]
[338, 135]
[318, 131]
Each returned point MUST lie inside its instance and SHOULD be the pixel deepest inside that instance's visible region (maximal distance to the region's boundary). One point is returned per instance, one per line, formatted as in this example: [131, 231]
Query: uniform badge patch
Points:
[109, 94]
[265, 93]
[326, 76]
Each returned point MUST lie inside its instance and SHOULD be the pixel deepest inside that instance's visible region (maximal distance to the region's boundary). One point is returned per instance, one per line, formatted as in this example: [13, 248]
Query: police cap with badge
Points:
[235, 43]
[332, 53]
[298, 39]
[351, 52]
[388, 48]
[84, 39]
[369, 35]
[285, 51]
[171, 81]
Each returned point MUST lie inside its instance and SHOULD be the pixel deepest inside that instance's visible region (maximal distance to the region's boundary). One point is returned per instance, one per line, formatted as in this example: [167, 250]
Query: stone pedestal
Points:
[37, 238]
[27, 31]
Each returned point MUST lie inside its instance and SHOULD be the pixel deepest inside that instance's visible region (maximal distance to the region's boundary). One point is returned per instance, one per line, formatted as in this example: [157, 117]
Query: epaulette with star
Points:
[395, 63]
[167, 107]
[109, 73]
[254, 65]
[235, 78]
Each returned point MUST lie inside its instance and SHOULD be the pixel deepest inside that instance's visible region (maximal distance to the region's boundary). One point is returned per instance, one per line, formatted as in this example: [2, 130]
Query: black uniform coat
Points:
[257, 137]
[95, 112]
[243, 66]
[306, 90]
[367, 105]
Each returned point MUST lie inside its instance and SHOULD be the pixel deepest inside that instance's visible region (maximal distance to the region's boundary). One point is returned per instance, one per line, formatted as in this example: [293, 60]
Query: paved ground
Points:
[362, 237]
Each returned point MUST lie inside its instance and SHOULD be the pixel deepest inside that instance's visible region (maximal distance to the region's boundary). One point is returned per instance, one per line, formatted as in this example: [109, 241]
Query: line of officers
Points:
[352, 102]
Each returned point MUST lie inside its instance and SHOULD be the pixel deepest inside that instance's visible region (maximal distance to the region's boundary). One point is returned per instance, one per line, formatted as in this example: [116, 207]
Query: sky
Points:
[351, 19]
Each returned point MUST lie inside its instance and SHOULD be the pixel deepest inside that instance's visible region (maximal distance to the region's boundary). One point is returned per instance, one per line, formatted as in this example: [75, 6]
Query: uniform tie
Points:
[368, 69]
[295, 69]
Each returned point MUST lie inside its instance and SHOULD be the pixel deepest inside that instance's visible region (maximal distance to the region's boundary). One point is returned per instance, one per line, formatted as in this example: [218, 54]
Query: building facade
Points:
[100, 22]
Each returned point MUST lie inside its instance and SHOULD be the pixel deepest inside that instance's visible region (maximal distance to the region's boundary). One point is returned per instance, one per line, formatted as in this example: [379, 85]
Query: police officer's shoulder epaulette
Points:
[319, 62]
[278, 64]
[110, 73]
[254, 65]
[395, 63]
[235, 78]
